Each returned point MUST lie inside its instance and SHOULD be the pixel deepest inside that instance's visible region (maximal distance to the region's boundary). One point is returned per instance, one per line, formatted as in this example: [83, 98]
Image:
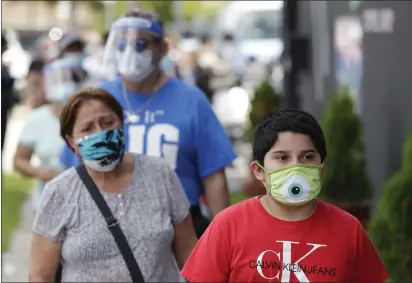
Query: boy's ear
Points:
[257, 171]
[323, 167]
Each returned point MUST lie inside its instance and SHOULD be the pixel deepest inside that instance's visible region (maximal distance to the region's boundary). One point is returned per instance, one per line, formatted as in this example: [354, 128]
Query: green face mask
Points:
[294, 185]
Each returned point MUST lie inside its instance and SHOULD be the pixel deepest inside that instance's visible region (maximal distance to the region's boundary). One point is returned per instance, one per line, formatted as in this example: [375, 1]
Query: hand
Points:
[46, 175]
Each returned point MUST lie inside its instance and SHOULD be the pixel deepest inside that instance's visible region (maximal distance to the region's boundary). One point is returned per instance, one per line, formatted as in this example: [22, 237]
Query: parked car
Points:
[246, 29]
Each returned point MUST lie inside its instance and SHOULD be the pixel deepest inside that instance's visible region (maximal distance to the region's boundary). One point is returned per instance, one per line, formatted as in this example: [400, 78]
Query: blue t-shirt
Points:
[177, 124]
[68, 158]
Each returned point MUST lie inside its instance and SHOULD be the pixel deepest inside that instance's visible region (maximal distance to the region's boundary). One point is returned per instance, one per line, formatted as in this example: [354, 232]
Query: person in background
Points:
[72, 46]
[170, 67]
[72, 49]
[202, 76]
[207, 56]
[46, 49]
[165, 116]
[35, 89]
[7, 92]
[93, 66]
[40, 135]
[287, 235]
[143, 193]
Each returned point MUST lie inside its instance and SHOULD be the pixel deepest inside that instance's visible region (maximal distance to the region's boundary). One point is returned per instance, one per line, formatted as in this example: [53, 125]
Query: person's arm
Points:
[24, 152]
[185, 240]
[44, 259]
[215, 152]
[49, 230]
[185, 237]
[368, 266]
[22, 162]
[216, 192]
[210, 259]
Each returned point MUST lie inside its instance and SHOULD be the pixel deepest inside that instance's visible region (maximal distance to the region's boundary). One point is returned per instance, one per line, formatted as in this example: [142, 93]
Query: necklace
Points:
[133, 116]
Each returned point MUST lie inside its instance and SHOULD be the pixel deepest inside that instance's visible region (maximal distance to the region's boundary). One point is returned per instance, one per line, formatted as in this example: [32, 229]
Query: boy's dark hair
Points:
[144, 14]
[266, 133]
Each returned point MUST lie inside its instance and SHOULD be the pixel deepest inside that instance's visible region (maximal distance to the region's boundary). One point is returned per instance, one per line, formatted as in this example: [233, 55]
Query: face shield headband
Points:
[138, 24]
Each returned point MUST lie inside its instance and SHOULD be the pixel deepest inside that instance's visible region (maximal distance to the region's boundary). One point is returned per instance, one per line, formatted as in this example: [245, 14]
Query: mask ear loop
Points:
[265, 170]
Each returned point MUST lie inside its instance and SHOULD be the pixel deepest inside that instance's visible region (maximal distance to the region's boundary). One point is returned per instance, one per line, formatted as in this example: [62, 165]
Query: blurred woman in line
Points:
[41, 134]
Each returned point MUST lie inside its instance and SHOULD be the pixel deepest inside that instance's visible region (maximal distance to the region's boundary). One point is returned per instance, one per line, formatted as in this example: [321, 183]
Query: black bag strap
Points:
[112, 224]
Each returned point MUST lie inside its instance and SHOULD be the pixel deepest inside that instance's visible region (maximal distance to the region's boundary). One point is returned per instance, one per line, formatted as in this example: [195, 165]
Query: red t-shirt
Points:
[244, 243]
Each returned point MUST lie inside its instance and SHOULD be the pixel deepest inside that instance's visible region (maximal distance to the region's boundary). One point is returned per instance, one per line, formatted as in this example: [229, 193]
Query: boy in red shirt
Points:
[287, 235]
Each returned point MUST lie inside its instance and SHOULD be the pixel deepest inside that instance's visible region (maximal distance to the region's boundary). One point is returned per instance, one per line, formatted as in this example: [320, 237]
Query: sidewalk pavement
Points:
[15, 262]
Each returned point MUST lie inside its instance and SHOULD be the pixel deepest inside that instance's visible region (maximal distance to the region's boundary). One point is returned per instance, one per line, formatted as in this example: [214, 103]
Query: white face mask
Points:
[135, 66]
[74, 57]
[61, 92]
[95, 165]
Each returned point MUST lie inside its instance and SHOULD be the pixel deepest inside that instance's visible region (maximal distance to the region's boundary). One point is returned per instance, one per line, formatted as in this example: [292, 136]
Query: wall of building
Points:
[386, 84]
[40, 15]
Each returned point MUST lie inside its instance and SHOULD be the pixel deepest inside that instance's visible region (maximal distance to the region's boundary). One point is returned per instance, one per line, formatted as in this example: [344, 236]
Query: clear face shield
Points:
[129, 47]
[60, 81]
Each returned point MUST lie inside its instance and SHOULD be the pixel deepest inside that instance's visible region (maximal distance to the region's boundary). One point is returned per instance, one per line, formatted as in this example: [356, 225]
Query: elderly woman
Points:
[143, 193]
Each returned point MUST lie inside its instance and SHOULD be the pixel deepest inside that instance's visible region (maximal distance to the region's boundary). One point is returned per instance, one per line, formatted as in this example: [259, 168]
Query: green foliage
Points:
[165, 9]
[14, 191]
[265, 101]
[236, 197]
[192, 9]
[97, 5]
[346, 179]
[391, 229]
[407, 156]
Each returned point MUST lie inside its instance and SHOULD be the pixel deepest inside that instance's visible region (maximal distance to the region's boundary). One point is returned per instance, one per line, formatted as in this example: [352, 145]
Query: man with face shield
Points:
[164, 116]
[41, 134]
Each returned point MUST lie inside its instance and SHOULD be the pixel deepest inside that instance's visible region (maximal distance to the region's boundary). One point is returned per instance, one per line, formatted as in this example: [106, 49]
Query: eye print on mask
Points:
[294, 185]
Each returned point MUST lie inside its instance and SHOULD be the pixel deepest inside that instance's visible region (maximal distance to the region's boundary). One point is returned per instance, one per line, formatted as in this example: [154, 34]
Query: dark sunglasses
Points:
[139, 45]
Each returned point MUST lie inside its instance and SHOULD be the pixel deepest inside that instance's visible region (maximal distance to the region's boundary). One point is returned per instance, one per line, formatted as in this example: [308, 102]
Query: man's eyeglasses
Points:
[139, 45]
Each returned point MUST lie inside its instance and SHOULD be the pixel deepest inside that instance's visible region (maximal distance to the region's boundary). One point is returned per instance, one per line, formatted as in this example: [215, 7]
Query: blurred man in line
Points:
[7, 92]
[166, 117]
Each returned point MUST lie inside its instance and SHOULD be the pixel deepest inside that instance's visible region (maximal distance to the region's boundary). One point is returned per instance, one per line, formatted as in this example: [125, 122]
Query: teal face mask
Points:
[294, 185]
